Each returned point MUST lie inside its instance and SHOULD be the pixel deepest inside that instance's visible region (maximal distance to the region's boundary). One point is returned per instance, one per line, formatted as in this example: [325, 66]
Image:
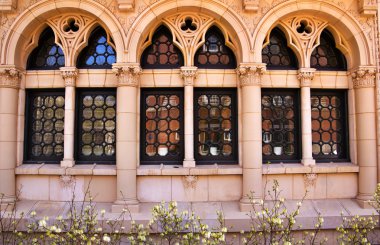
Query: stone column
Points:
[126, 136]
[364, 86]
[10, 79]
[188, 73]
[250, 82]
[69, 75]
[305, 76]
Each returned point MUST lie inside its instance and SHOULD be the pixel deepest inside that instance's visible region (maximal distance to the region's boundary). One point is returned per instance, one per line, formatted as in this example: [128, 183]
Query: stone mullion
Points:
[250, 82]
[189, 74]
[305, 76]
[126, 136]
[69, 75]
[10, 79]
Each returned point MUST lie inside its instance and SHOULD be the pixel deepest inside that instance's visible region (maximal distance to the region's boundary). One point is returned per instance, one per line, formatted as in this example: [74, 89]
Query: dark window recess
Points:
[47, 55]
[162, 53]
[326, 56]
[215, 126]
[280, 125]
[277, 55]
[329, 125]
[214, 54]
[162, 126]
[96, 127]
[44, 126]
[99, 54]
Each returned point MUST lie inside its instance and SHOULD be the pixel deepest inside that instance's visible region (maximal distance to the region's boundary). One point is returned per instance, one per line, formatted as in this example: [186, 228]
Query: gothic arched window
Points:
[162, 53]
[326, 56]
[98, 54]
[214, 54]
[47, 55]
[277, 55]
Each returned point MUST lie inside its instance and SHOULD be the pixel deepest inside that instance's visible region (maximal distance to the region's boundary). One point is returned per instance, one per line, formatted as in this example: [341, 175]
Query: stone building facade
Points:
[153, 100]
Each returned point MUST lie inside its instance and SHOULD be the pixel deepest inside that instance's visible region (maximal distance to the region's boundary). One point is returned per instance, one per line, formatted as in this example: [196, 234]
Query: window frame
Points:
[78, 129]
[234, 157]
[156, 160]
[30, 95]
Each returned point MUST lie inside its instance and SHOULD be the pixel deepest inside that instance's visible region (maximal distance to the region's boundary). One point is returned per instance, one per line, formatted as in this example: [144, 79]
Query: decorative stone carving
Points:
[8, 5]
[310, 180]
[251, 5]
[126, 5]
[10, 77]
[306, 76]
[189, 73]
[69, 74]
[190, 181]
[367, 7]
[364, 77]
[250, 74]
[128, 75]
[67, 181]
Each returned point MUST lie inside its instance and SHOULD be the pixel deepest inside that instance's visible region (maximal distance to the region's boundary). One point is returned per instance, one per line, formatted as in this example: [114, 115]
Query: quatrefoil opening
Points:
[188, 25]
[71, 26]
[304, 27]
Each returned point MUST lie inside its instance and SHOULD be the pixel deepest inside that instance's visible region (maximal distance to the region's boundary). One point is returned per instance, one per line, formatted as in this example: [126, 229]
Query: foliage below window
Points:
[326, 56]
[277, 55]
[99, 54]
[214, 54]
[162, 53]
[47, 55]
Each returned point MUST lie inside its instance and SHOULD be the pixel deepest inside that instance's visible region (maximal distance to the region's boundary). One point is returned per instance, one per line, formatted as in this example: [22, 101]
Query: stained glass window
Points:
[47, 55]
[98, 54]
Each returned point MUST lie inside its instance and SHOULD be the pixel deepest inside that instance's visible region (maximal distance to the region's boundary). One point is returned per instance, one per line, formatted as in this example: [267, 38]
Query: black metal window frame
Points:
[111, 160]
[345, 156]
[31, 94]
[154, 160]
[209, 159]
[297, 126]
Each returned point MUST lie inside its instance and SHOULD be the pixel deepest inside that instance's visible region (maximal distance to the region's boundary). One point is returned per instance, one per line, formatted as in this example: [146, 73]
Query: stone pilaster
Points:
[305, 77]
[128, 75]
[363, 80]
[69, 75]
[10, 80]
[250, 82]
[189, 74]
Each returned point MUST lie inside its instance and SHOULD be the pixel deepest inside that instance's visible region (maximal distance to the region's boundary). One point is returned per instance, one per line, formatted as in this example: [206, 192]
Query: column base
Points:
[67, 163]
[121, 205]
[247, 205]
[308, 162]
[189, 164]
[365, 201]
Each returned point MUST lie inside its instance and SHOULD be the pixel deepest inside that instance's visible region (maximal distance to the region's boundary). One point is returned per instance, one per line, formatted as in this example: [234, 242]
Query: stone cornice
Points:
[127, 74]
[364, 77]
[305, 76]
[188, 73]
[69, 75]
[10, 77]
[250, 73]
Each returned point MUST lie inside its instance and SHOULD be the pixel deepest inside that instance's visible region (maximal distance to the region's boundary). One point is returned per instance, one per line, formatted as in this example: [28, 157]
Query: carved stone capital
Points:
[189, 73]
[250, 74]
[127, 74]
[305, 76]
[67, 181]
[69, 75]
[364, 77]
[190, 181]
[10, 77]
[310, 180]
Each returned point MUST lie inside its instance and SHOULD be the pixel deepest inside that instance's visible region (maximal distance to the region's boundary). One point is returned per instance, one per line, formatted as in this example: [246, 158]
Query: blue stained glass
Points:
[100, 60]
[90, 60]
[110, 50]
[61, 60]
[51, 60]
[102, 39]
[111, 59]
[100, 49]
[53, 50]
[60, 51]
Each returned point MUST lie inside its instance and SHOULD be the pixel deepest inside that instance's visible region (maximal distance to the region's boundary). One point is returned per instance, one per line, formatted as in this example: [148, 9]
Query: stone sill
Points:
[56, 169]
[319, 168]
[165, 170]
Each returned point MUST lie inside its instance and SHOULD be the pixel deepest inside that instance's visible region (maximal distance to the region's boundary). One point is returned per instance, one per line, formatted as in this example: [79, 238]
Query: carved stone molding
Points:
[305, 76]
[67, 181]
[10, 77]
[367, 7]
[250, 74]
[8, 5]
[310, 180]
[69, 75]
[190, 181]
[189, 73]
[251, 5]
[364, 77]
[126, 5]
[127, 74]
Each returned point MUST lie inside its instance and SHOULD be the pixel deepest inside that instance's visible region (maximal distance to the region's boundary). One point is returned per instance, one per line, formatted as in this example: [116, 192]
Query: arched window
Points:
[47, 55]
[326, 56]
[98, 54]
[214, 54]
[162, 53]
[277, 55]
